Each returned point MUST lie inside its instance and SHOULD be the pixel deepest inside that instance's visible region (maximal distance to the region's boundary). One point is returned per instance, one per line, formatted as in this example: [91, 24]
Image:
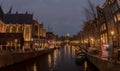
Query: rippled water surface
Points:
[59, 60]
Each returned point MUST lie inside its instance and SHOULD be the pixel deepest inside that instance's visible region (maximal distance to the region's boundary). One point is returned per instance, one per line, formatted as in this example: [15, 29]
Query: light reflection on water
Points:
[60, 60]
[35, 67]
[64, 59]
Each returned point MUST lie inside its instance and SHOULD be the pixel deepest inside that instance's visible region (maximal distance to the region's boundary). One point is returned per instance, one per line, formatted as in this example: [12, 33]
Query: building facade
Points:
[103, 27]
[22, 23]
[111, 12]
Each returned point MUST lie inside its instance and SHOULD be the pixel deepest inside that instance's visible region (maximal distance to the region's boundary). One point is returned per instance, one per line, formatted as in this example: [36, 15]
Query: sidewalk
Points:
[105, 56]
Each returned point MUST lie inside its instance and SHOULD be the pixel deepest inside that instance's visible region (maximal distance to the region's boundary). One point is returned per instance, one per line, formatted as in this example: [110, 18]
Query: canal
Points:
[59, 60]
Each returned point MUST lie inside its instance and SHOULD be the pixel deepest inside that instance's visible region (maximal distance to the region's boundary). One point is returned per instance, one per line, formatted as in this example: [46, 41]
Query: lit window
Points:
[104, 27]
[14, 29]
[7, 29]
[115, 18]
[118, 16]
[27, 33]
[20, 29]
[36, 30]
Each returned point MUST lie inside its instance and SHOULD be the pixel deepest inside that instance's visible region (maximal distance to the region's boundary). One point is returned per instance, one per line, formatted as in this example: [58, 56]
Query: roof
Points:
[18, 18]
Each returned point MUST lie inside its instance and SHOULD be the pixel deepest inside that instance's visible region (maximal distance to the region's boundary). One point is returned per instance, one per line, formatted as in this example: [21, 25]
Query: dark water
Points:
[60, 60]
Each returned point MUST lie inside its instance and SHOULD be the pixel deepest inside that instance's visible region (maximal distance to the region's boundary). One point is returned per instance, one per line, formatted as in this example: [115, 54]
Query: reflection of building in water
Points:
[49, 61]
[69, 48]
[42, 63]
[35, 67]
[69, 53]
[65, 51]
[59, 55]
[73, 51]
[55, 57]
[85, 66]
[52, 59]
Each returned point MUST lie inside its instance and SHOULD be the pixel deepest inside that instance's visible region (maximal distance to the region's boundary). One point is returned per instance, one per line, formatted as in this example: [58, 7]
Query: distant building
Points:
[51, 38]
[111, 10]
[38, 34]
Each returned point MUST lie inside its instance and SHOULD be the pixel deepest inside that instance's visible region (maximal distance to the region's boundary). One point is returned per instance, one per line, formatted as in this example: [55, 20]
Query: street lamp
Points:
[92, 42]
[112, 34]
[31, 45]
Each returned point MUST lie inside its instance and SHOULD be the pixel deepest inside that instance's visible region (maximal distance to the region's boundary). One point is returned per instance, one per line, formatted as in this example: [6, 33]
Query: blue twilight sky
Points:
[62, 16]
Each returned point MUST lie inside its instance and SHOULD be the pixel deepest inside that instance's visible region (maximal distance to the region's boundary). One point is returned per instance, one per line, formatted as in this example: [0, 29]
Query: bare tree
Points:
[91, 26]
[89, 11]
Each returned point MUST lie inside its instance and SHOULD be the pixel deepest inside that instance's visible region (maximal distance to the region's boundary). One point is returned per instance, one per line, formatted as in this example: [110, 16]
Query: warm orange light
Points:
[92, 39]
[112, 33]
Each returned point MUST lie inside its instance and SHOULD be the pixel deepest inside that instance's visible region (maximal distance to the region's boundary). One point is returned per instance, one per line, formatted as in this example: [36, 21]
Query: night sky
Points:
[61, 16]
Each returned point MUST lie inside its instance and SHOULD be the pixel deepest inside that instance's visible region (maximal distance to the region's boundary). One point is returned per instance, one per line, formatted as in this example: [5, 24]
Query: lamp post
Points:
[31, 45]
[112, 34]
[92, 42]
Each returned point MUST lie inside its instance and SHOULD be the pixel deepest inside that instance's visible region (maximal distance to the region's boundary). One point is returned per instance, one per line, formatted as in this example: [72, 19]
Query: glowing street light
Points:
[92, 39]
[112, 34]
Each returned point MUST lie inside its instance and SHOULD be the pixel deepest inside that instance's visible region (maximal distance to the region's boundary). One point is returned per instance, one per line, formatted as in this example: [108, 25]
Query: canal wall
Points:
[13, 58]
[104, 64]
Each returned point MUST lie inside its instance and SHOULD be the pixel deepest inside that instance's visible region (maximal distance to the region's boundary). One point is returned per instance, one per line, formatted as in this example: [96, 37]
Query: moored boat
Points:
[80, 57]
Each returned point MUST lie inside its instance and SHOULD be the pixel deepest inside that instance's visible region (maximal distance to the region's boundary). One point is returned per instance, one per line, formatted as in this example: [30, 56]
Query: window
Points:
[118, 16]
[118, 1]
[114, 7]
[36, 30]
[115, 19]
[20, 29]
[106, 40]
[7, 29]
[2, 27]
[27, 33]
[14, 29]
[104, 26]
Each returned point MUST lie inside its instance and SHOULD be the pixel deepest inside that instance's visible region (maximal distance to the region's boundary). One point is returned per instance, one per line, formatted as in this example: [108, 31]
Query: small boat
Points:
[80, 58]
